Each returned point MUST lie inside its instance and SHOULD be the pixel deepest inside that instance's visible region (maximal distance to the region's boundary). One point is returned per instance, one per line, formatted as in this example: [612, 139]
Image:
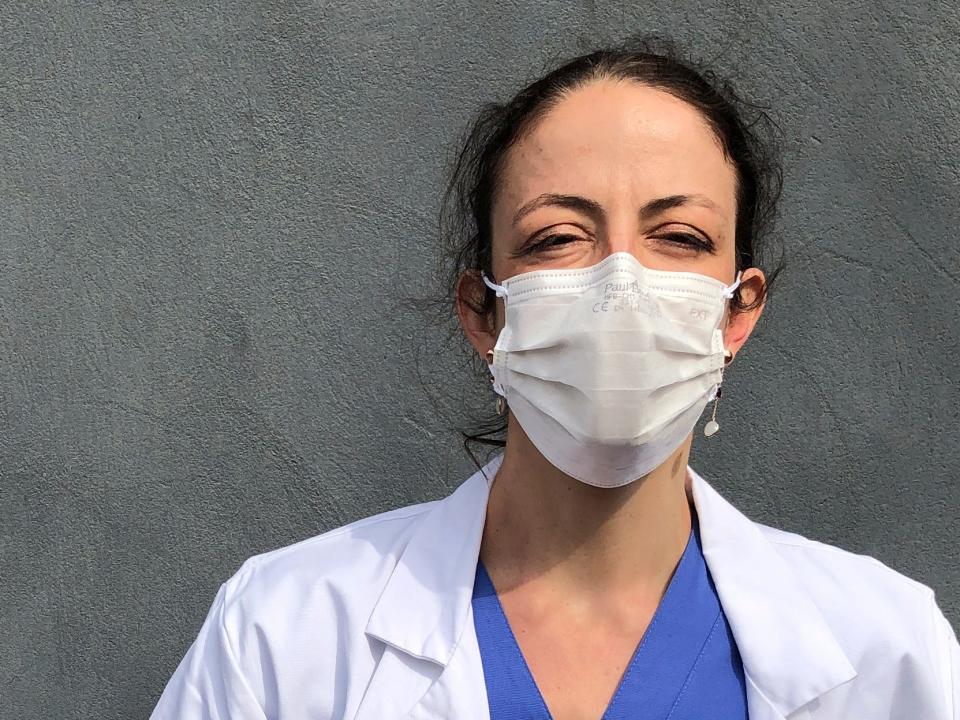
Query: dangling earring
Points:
[712, 426]
[501, 400]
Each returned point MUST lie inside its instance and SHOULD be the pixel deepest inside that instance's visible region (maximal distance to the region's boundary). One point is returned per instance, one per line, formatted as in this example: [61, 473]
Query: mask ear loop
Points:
[712, 425]
[728, 290]
[500, 290]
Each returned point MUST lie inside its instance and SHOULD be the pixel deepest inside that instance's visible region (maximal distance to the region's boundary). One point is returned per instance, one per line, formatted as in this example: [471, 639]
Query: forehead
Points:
[619, 140]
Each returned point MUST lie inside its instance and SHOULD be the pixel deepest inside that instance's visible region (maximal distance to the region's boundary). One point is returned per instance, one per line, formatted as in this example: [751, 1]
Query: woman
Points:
[586, 571]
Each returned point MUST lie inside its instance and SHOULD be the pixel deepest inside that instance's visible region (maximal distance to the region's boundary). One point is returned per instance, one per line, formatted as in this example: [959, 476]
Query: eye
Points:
[687, 240]
[551, 241]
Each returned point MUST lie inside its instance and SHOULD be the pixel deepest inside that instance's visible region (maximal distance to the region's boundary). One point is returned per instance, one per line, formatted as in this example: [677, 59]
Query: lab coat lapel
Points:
[415, 689]
[460, 691]
[398, 683]
[758, 706]
[789, 653]
[423, 613]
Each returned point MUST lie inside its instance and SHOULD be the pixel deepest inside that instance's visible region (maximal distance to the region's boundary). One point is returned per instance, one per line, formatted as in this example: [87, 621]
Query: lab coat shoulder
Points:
[348, 559]
[889, 625]
[295, 614]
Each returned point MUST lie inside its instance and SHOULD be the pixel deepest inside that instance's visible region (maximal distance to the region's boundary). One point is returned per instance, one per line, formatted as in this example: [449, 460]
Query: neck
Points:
[545, 526]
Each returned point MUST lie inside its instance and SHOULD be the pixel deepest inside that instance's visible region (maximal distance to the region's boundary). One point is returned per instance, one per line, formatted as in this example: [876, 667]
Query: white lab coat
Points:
[373, 621]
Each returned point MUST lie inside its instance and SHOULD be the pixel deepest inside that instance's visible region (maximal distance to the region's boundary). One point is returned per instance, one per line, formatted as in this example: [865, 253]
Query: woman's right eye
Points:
[551, 241]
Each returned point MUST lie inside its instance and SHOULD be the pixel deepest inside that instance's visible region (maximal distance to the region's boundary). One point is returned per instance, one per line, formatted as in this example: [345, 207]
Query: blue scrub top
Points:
[686, 666]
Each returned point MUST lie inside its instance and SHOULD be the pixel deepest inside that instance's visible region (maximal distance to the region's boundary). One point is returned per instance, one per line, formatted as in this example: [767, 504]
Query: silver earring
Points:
[710, 429]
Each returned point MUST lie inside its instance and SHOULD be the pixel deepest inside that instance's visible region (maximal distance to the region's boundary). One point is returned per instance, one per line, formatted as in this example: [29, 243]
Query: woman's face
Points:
[617, 166]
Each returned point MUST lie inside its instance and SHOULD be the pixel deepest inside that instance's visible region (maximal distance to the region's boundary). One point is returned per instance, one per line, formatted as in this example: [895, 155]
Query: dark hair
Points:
[744, 130]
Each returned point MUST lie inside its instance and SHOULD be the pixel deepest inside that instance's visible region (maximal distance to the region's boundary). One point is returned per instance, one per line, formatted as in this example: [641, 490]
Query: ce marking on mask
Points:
[626, 297]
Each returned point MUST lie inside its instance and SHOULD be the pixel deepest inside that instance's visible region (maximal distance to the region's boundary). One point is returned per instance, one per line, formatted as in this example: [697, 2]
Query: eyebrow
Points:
[593, 209]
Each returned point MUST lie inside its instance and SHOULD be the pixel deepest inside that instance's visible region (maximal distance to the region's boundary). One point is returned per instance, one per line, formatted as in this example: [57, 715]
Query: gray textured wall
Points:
[208, 214]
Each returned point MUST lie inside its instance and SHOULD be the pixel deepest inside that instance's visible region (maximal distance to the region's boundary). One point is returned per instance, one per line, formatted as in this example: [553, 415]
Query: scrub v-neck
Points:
[686, 665]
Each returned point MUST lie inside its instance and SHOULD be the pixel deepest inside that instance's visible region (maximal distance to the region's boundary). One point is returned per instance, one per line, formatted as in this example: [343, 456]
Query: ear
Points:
[479, 328]
[740, 323]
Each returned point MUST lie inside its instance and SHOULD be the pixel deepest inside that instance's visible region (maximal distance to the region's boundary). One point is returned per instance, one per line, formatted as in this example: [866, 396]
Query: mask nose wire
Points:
[500, 290]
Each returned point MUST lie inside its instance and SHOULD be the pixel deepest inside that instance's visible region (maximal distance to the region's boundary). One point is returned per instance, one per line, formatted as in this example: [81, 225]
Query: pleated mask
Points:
[608, 368]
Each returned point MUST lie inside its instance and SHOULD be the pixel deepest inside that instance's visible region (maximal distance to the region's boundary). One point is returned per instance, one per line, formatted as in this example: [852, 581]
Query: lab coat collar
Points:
[424, 606]
[789, 654]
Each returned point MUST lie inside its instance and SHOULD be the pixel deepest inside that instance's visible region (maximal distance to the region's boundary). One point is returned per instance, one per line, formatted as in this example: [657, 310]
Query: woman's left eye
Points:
[687, 240]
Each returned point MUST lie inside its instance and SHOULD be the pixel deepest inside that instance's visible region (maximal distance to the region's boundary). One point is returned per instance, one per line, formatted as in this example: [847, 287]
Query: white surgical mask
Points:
[608, 368]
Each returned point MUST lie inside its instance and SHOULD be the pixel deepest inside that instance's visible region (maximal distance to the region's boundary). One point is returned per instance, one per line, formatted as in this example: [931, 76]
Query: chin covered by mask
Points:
[608, 368]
